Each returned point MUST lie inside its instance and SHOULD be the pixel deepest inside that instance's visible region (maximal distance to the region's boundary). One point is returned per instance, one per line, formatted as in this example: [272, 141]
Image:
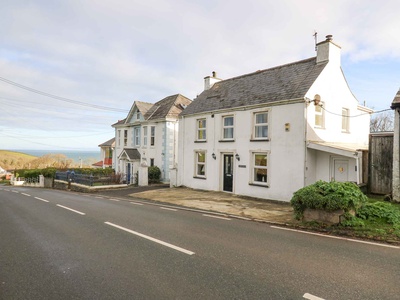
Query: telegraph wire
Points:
[340, 115]
[61, 98]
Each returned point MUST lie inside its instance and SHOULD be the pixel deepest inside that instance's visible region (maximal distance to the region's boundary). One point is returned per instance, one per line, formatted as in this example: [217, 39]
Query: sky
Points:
[71, 69]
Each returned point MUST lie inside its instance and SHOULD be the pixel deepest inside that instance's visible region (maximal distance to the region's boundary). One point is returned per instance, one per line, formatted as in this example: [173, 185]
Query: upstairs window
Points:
[136, 135]
[319, 115]
[201, 129]
[261, 125]
[345, 119]
[144, 136]
[138, 115]
[119, 137]
[152, 135]
[227, 127]
[125, 137]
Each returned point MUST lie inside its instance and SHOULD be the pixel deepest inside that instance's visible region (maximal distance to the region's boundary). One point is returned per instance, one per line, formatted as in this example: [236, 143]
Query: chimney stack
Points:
[328, 51]
[210, 80]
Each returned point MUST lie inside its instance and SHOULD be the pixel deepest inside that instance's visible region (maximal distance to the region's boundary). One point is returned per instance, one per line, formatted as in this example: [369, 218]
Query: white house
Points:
[106, 154]
[396, 149]
[148, 135]
[268, 133]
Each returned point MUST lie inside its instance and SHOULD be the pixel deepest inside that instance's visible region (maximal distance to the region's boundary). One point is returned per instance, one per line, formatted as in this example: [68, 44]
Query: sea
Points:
[76, 155]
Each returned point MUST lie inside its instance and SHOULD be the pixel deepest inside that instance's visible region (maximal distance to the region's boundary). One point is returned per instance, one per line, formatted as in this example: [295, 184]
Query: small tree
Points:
[383, 121]
[154, 174]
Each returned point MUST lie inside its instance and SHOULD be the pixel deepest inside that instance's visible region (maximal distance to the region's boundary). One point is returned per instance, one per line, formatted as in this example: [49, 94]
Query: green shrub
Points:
[380, 210]
[328, 196]
[154, 174]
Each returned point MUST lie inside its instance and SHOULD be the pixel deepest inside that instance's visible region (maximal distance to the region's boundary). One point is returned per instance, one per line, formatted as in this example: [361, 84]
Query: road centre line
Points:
[337, 237]
[15, 191]
[151, 239]
[75, 211]
[41, 199]
[112, 199]
[167, 208]
[136, 203]
[311, 297]
[217, 217]
[25, 194]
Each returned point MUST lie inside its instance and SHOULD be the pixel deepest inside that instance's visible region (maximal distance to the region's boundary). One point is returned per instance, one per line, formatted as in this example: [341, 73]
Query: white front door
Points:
[340, 170]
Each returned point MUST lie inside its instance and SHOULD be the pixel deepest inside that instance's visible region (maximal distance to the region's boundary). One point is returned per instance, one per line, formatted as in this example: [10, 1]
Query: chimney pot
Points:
[214, 74]
[329, 37]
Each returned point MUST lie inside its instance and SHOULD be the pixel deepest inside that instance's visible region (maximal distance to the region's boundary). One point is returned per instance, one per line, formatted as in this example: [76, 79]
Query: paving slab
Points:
[226, 203]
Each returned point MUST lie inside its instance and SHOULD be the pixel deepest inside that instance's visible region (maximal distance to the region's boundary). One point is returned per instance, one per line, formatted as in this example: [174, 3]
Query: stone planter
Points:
[323, 216]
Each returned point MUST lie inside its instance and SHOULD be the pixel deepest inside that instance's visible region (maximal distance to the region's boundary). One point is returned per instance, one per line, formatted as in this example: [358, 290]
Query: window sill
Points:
[259, 184]
[198, 177]
[317, 127]
[345, 131]
[226, 141]
[205, 141]
[259, 140]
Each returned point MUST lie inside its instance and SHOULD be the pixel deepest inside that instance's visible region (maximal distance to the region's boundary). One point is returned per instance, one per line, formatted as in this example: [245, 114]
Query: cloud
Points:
[111, 53]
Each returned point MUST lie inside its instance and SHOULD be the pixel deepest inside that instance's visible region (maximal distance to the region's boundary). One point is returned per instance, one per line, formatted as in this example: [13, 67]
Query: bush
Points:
[328, 196]
[380, 210]
[154, 174]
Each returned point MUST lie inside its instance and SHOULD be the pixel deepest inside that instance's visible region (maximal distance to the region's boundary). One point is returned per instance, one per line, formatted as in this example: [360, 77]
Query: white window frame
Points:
[225, 128]
[319, 112]
[145, 136]
[256, 125]
[201, 132]
[255, 167]
[138, 115]
[152, 135]
[136, 136]
[345, 119]
[125, 137]
[198, 164]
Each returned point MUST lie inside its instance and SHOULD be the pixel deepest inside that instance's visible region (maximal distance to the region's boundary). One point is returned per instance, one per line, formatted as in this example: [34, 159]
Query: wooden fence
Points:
[380, 163]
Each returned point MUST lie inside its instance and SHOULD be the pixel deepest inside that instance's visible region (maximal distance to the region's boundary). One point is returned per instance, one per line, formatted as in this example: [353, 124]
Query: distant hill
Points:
[10, 160]
[15, 160]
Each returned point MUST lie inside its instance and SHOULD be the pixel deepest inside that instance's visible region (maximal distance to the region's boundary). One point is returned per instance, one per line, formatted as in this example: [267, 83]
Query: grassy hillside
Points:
[15, 160]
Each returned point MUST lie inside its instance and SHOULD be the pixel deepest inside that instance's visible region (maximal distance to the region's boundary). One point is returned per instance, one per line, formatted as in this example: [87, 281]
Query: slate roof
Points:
[143, 106]
[169, 107]
[396, 101]
[108, 143]
[285, 82]
[131, 153]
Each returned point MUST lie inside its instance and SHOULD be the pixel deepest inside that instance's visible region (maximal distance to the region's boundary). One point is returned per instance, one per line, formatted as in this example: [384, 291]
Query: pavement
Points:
[226, 204]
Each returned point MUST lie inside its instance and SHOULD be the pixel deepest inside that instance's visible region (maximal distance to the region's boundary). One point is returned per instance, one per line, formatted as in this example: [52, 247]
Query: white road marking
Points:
[41, 199]
[336, 237]
[166, 208]
[311, 297]
[75, 211]
[151, 239]
[111, 199]
[25, 194]
[15, 191]
[136, 203]
[98, 197]
[216, 217]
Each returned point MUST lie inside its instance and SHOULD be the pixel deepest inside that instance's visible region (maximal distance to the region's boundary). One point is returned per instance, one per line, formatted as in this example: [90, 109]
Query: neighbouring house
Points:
[268, 133]
[396, 149]
[149, 136]
[106, 154]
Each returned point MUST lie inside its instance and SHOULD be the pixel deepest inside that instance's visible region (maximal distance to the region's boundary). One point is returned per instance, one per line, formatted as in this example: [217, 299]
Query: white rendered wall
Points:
[285, 150]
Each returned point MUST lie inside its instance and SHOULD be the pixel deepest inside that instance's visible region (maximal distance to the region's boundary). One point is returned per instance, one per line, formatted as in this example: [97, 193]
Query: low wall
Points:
[76, 187]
